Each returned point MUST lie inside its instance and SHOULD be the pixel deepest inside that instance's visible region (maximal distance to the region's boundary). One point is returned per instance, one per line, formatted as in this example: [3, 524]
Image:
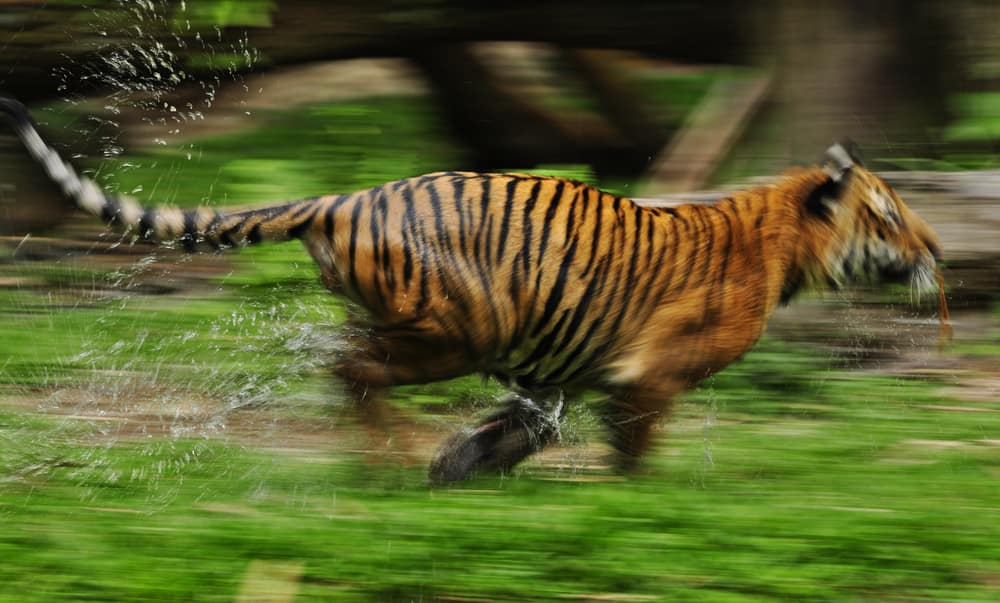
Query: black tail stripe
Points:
[147, 223]
[190, 237]
[111, 211]
[304, 216]
[254, 236]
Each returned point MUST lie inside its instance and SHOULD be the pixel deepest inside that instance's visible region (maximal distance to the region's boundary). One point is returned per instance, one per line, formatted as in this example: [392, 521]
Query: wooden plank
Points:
[687, 161]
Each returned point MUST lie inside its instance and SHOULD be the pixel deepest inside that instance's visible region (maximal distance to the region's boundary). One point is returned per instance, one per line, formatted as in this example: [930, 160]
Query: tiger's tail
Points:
[190, 228]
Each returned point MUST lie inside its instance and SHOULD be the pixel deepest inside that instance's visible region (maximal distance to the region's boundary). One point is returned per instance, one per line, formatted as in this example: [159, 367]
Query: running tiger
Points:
[552, 286]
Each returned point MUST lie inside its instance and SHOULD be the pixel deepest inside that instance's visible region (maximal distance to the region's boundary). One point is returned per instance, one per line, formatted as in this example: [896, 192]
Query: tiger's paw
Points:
[501, 441]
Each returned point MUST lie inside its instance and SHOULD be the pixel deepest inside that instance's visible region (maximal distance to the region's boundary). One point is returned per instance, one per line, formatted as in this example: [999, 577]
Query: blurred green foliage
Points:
[226, 13]
[321, 149]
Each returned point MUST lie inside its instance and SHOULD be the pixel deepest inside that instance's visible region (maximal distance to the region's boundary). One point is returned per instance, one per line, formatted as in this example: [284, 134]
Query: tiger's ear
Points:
[840, 158]
[837, 163]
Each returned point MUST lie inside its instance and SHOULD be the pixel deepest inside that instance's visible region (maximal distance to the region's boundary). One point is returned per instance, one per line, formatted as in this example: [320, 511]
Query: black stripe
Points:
[594, 287]
[457, 193]
[571, 218]
[673, 244]
[190, 236]
[488, 243]
[542, 347]
[424, 247]
[254, 236]
[374, 230]
[375, 207]
[611, 333]
[652, 269]
[554, 203]
[555, 296]
[576, 354]
[686, 268]
[477, 248]
[388, 274]
[604, 269]
[461, 207]
[308, 207]
[516, 294]
[505, 223]
[147, 223]
[353, 249]
[409, 219]
[596, 236]
[526, 227]
[225, 239]
[330, 211]
[710, 233]
[728, 247]
[636, 232]
[111, 210]
[484, 208]
[441, 236]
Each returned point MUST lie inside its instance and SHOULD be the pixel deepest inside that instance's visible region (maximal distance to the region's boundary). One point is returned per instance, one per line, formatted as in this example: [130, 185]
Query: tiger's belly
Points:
[536, 366]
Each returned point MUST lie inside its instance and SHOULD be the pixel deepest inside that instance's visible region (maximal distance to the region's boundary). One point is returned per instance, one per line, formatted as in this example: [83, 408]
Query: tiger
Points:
[551, 286]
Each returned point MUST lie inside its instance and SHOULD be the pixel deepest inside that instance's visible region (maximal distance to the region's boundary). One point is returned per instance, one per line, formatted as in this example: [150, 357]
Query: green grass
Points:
[854, 491]
[782, 478]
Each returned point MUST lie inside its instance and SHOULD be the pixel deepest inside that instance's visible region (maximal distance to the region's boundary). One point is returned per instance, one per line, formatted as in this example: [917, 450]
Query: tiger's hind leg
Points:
[375, 359]
[500, 441]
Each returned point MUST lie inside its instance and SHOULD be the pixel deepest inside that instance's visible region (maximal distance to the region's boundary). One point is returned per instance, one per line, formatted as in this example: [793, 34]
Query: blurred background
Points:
[168, 428]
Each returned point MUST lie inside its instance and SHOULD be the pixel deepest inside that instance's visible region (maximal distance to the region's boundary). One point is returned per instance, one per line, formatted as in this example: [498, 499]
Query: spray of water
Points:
[160, 67]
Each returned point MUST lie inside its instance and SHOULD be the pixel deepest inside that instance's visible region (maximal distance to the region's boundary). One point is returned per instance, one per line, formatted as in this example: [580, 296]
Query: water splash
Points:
[151, 63]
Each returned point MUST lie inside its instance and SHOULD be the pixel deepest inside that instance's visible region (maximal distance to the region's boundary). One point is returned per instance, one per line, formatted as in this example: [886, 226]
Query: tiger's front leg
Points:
[500, 441]
[631, 416]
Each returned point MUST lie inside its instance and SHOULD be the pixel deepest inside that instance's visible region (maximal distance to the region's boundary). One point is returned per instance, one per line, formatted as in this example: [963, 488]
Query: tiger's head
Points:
[856, 229]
